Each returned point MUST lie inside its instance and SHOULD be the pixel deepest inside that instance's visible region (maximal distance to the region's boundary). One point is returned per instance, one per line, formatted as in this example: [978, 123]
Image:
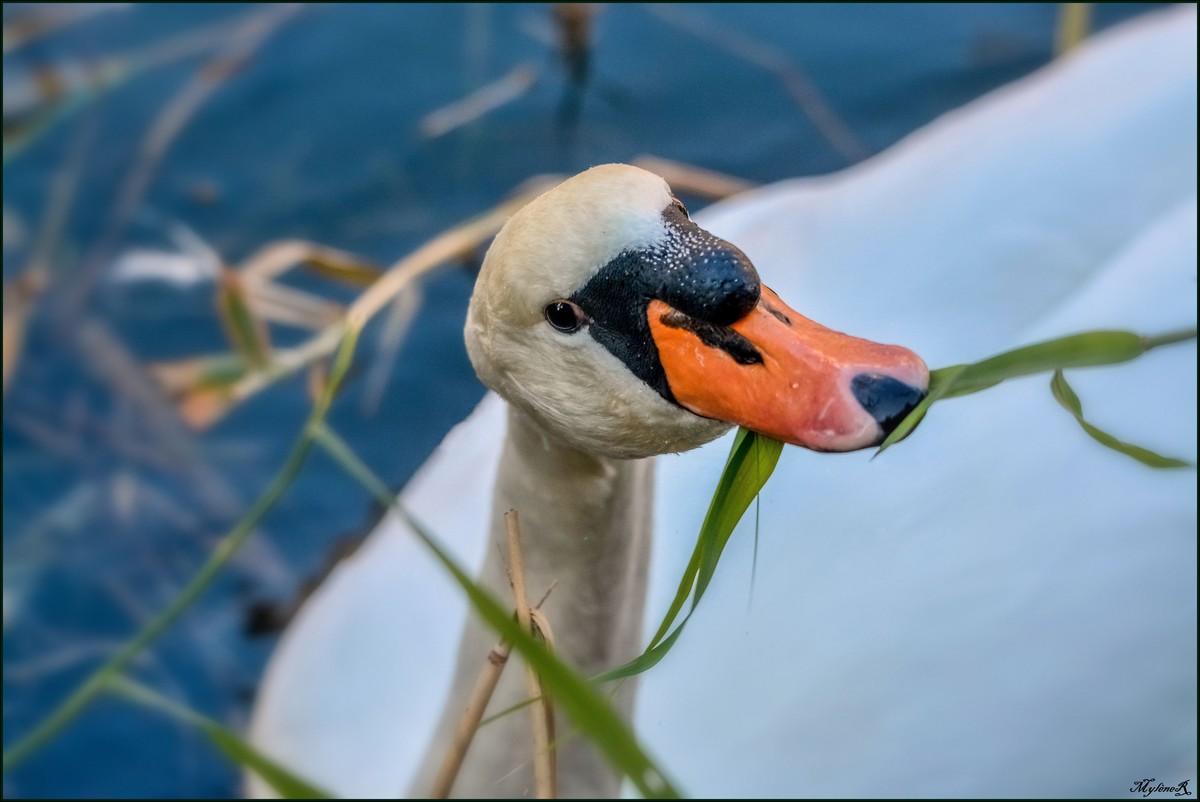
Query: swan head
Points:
[626, 330]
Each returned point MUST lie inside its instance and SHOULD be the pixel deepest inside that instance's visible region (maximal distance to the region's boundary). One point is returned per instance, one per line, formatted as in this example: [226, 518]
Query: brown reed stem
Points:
[543, 754]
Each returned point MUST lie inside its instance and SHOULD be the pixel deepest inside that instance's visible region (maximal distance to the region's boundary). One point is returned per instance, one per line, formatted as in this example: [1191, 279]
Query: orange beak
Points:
[780, 374]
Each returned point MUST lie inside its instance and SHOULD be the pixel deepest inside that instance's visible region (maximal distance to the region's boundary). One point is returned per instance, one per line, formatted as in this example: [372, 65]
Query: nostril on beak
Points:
[888, 400]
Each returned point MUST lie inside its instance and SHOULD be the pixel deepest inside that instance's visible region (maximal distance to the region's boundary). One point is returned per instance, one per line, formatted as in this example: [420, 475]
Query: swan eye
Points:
[565, 316]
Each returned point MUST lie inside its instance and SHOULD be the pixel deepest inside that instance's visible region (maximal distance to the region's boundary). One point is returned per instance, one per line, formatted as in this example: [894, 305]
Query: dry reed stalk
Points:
[462, 240]
[487, 98]
[1074, 20]
[481, 695]
[696, 180]
[464, 733]
[273, 260]
[449, 245]
[281, 304]
[574, 23]
[541, 629]
[543, 753]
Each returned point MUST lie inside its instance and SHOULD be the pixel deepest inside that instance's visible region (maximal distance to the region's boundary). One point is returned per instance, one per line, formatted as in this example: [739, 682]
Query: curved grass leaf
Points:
[1070, 402]
[85, 693]
[245, 330]
[285, 783]
[752, 459]
[1088, 349]
[588, 709]
[747, 471]
[20, 133]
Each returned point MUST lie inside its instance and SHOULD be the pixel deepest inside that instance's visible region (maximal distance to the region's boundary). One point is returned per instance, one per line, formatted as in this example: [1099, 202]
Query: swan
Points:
[997, 607]
[617, 329]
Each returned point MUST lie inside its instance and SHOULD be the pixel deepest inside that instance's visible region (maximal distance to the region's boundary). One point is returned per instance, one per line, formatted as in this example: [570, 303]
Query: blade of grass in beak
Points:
[286, 783]
[1070, 402]
[752, 459]
[748, 470]
[1088, 349]
[941, 381]
[707, 534]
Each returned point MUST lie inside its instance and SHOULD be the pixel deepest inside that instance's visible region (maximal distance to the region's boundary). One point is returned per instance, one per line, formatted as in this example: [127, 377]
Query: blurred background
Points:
[147, 149]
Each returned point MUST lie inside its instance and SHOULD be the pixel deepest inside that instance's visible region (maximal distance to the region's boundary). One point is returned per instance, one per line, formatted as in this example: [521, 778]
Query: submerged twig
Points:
[48, 18]
[574, 21]
[109, 361]
[399, 320]
[1074, 19]
[19, 297]
[827, 122]
[244, 42]
[487, 98]
[22, 293]
[574, 26]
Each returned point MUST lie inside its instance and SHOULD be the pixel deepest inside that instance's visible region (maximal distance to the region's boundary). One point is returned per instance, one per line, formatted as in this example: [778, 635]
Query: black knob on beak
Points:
[888, 400]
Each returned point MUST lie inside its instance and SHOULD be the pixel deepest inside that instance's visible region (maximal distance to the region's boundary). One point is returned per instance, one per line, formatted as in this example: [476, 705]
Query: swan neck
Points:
[585, 523]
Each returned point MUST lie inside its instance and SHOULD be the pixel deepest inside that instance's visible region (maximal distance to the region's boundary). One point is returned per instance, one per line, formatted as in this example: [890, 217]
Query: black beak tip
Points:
[887, 399]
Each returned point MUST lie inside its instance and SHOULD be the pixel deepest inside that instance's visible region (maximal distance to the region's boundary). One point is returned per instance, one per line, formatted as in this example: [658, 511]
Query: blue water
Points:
[108, 511]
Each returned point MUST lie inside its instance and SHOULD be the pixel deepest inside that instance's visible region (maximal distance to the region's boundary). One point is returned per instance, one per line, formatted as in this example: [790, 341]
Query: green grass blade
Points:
[1070, 402]
[220, 371]
[285, 782]
[589, 710]
[246, 332]
[681, 595]
[647, 659]
[1089, 349]
[347, 271]
[940, 383]
[688, 581]
[84, 693]
[752, 459]
[1076, 351]
[749, 467]
[32, 127]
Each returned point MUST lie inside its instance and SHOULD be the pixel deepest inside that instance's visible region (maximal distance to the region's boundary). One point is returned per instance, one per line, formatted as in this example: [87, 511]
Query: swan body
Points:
[998, 606]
